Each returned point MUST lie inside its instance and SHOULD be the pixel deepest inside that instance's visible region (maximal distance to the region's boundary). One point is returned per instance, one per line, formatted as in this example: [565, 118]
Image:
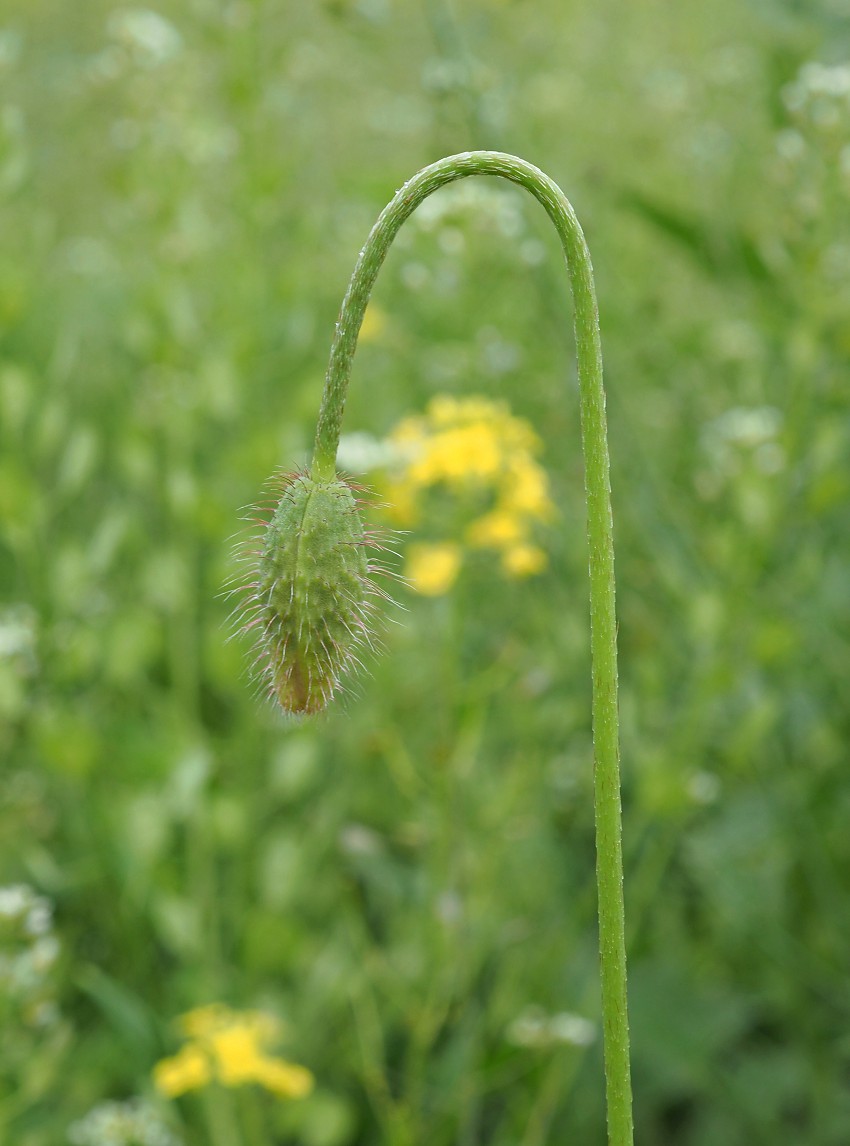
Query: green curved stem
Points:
[609, 861]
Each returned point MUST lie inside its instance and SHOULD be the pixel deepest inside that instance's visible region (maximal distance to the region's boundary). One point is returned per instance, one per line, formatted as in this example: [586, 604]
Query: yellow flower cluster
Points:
[471, 445]
[229, 1047]
[433, 568]
[374, 324]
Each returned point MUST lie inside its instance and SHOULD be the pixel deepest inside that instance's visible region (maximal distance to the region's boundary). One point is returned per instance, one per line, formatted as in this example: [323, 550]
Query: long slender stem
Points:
[609, 861]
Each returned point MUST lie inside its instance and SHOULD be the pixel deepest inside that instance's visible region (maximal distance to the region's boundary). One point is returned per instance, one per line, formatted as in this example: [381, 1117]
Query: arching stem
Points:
[609, 861]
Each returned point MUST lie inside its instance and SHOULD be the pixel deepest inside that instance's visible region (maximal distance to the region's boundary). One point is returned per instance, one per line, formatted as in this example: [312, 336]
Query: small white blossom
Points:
[704, 787]
[14, 900]
[135, 1122]
[151, 39]
[358, 840]
[488, 207]
[39, 917]
[534, 1028]
[17, 639]
[573, 1029]
[820, 94]
[748, 426]
[28, 952]
[790, 145]
[359, 453]
[44, 953]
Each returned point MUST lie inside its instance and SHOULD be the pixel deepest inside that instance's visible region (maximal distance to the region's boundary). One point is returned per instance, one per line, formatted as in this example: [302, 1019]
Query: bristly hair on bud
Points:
[310, 600]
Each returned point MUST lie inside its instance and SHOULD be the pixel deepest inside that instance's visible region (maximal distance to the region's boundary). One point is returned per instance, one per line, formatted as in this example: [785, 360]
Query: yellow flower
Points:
[402, 507]
[516, 433]
[284, 1078]
[443, 410]
[204, 1022]
[470, 446]
[409, 432]
[237, 1055]
[496, 530]
[523, 560]
[188, 1070]
[374, 324]
[229, 1047]
[526, 489]
[433, 569]
[457, 455]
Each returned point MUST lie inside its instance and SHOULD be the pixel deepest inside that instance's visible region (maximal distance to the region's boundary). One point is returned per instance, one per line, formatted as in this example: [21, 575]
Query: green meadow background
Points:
[407, 882]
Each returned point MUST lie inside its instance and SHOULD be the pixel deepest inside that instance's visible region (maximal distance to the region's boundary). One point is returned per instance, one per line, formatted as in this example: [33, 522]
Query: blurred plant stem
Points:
[559, 1079]
[609, 860]
[253, 1118]
[221, 1117]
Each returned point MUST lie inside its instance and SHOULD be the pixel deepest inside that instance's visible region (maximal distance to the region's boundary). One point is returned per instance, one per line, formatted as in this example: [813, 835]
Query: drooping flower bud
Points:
[310, 596]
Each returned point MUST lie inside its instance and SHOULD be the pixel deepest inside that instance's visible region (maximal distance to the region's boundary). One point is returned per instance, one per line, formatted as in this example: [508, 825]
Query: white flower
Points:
[704, 787]
[748, 426]
[820, 93]
[567, 1028]
[135, 1122]
[149, 36]
[488, 207]
[359, 453]
[14, 899]
[39, 917]
[17, 639]
[534, 1028]
[44, 953]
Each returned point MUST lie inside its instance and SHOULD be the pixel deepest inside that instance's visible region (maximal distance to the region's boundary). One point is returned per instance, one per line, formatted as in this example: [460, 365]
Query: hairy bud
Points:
[310, 596]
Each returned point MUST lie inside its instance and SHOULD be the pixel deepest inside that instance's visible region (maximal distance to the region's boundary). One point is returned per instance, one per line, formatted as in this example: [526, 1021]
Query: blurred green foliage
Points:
[408, 882]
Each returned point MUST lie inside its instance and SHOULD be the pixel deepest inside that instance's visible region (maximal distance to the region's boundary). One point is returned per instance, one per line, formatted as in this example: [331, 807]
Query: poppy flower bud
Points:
[310, 594]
